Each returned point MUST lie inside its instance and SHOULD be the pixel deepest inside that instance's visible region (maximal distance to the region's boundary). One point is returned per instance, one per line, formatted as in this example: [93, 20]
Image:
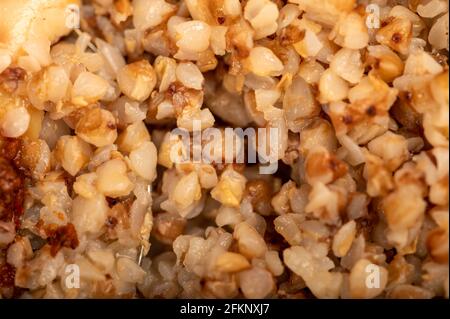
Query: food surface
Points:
[119, 178]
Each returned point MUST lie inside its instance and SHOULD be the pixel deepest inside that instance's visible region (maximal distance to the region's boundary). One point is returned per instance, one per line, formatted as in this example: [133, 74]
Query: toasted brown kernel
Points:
[168, 227]
[260, 193]
[63, 236]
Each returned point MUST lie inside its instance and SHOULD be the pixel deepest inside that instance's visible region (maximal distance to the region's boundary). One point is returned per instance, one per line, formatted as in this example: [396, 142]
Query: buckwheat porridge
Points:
[346, 197]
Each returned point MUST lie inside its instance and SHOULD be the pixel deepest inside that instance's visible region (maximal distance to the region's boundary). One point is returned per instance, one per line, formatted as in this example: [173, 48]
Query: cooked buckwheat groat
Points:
[356, 92]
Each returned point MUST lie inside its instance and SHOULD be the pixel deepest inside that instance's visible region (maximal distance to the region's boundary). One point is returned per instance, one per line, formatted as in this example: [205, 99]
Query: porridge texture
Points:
[92, 204]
